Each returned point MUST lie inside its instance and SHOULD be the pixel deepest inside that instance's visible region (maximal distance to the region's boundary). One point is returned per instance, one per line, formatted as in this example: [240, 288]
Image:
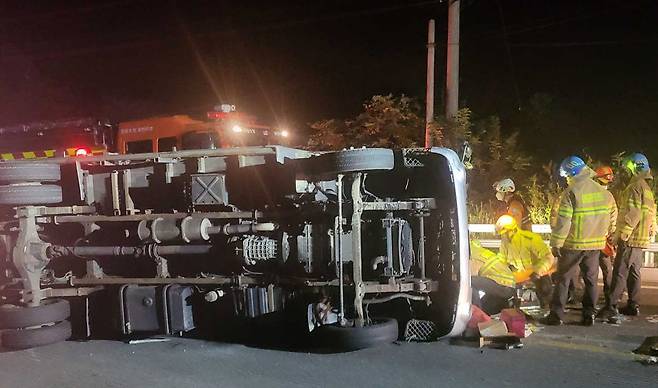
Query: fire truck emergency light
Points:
[82, 152]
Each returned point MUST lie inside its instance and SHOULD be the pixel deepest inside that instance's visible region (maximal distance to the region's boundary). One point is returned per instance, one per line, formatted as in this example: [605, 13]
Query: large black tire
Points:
[382, 331]
[31, 338]
[30, 194]
[29, 172]
[52, 310]
[347, 161]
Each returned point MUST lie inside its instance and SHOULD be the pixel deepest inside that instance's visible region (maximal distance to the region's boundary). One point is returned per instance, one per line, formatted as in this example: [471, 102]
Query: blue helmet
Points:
[637, 163]
[571, 166]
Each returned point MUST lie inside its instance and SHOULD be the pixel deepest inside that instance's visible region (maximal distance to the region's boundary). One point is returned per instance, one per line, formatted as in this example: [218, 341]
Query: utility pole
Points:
[429, 97]
[452, 65]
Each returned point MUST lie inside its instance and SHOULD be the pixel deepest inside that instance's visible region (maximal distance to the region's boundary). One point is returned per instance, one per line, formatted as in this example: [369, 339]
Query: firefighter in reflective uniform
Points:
[586, 215]
[635, 230]
[490, 276]
[527, 255]
[512, 203]
[575, 281]
[605, 175]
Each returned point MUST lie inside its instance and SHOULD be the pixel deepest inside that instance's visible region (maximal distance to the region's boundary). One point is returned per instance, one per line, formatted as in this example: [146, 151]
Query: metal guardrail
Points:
[537, 228]
[649, 254]
[491, 228]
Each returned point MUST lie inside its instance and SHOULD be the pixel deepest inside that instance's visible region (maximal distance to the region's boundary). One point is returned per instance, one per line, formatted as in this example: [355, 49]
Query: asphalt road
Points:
[569, 356]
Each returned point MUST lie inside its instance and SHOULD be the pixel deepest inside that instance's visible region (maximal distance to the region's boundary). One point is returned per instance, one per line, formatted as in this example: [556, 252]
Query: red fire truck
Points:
[223, 127]
[57, 138]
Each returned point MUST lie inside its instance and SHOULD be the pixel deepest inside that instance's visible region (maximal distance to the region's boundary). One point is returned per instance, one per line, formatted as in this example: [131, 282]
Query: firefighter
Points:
[527, 255]
[605, 176]
[586, 215]
[513, 204]
[490, 276]
[635, 230]
[574, 282]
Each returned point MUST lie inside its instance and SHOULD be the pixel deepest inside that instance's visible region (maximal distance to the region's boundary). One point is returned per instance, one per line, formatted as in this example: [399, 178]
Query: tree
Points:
[386, 121]
[495, 155]
[550, 128]
[397, 122]
[453, 133]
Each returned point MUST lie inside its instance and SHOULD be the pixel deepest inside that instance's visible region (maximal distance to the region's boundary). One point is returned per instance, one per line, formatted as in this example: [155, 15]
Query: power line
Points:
[544, 23]
[32, 17]
[81, 51]
[508, 50]
[583, 44]
[583, 16]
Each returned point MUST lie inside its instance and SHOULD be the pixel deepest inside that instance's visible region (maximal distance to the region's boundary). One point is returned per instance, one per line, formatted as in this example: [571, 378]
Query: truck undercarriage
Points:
[167, 237]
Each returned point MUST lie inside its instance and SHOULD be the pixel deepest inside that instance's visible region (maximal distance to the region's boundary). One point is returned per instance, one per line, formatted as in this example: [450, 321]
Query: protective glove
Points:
[624, 236]
[556, 252]
[610, 249]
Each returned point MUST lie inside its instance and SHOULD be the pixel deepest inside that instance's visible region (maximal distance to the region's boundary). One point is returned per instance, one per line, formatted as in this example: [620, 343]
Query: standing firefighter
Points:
[527, 255]
[635, 229]
[605, 175]
[513, 204]
[586, 215]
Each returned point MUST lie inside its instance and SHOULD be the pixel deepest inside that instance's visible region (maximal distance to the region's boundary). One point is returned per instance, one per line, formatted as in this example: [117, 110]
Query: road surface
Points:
[568, 356]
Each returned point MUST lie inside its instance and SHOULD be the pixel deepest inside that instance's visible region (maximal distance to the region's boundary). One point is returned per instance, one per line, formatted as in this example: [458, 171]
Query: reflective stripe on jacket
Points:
[637, 212]
[585, 215]
[491, 265]
[526, 251]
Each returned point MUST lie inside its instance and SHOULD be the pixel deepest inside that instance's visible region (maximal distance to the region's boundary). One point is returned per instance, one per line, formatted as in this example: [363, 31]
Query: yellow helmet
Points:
[506, 224]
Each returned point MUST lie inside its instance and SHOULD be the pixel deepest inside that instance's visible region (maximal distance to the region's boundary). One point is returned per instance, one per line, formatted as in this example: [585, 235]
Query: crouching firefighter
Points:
[586, 215]
[491, 279]
[528, 257]
[635, 230]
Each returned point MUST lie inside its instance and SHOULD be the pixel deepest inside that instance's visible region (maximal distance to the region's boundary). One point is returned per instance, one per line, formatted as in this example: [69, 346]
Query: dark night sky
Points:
[298, 61]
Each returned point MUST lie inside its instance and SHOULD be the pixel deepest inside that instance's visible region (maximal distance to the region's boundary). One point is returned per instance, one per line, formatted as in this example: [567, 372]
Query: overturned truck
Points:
[346, 244]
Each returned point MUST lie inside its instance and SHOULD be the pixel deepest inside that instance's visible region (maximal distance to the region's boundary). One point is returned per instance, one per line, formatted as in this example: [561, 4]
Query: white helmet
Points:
[504, 186]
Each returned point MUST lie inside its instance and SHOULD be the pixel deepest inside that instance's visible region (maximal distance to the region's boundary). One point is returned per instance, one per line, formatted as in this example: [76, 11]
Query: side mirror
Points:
[467, 155]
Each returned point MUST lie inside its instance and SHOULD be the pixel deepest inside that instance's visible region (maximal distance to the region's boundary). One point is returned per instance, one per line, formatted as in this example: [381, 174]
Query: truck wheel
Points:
[32, 194]
[52, 310]
[30, 338]
[29, 172]
[381, 331]
[341, 162]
